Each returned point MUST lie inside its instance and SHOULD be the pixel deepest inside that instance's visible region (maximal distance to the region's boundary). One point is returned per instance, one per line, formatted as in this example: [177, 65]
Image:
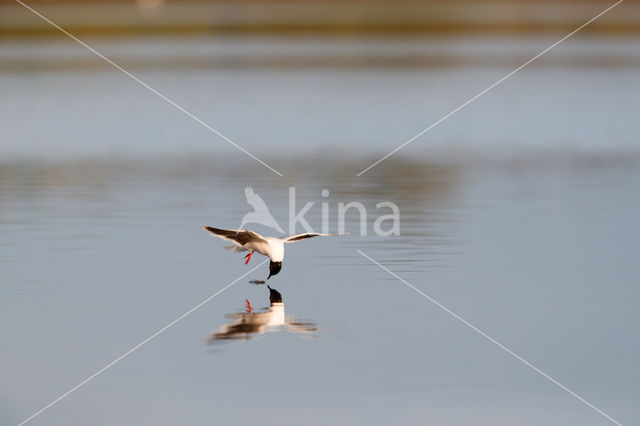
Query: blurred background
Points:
[518, 212]
[315, 76]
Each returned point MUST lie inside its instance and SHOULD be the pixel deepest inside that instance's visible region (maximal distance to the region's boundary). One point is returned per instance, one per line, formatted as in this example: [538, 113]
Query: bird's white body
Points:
[271, 247]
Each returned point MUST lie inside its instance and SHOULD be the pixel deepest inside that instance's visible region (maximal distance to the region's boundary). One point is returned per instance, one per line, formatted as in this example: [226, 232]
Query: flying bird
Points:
[272, 247]
[260, 213]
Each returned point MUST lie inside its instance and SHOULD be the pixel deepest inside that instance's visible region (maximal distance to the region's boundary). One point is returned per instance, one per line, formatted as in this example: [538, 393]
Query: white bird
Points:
[260, 213]
[272, 247]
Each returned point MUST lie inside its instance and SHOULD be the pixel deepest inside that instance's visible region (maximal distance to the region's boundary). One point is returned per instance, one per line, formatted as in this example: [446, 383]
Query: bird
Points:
[250, 324]
[260, 213]
[272, 247]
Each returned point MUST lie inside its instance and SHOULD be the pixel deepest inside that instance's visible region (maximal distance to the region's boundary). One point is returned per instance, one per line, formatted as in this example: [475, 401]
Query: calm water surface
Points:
[541, 256]
[103, 189]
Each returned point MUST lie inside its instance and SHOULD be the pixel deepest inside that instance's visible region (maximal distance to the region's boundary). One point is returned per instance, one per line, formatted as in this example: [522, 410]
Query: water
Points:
[357, 96]
[103, 189]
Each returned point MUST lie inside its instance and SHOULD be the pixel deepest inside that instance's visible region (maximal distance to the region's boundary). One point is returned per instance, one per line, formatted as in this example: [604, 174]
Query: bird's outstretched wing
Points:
[237, 236]
[298, 237]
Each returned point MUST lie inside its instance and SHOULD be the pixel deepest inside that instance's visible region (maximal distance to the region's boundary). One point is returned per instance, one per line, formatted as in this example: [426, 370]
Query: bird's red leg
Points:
[248, 257]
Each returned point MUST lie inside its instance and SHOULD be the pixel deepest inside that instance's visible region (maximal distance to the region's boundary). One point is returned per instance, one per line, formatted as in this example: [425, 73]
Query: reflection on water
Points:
[250, 324]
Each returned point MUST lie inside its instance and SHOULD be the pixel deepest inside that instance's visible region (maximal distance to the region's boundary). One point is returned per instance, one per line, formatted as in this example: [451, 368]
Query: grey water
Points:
[518, 214]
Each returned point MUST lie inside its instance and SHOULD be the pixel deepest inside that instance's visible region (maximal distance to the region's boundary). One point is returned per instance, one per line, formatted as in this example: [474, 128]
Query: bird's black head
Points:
[274, 268]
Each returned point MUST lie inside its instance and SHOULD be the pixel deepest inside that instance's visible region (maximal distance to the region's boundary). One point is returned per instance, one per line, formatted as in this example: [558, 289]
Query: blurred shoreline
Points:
[311, 53]
[349, 18]
[309, 77]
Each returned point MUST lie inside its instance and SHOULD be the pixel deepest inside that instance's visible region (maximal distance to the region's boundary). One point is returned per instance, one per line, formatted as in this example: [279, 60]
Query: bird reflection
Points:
[250, 324]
